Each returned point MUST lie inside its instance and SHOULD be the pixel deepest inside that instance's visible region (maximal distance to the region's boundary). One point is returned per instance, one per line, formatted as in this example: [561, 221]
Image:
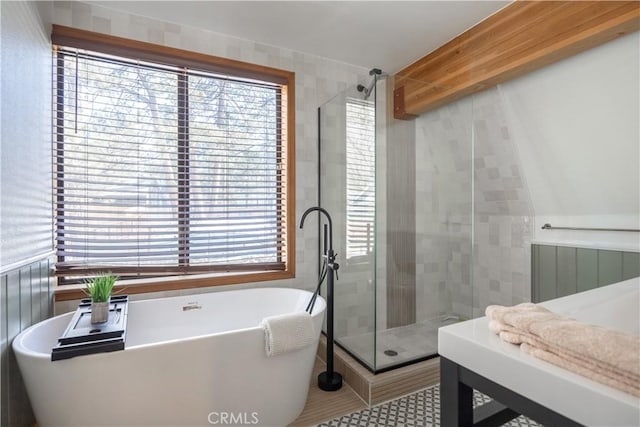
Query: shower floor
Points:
[410, 342]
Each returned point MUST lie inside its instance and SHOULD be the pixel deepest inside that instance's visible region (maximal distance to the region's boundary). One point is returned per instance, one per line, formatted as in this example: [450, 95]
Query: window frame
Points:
[149, 52]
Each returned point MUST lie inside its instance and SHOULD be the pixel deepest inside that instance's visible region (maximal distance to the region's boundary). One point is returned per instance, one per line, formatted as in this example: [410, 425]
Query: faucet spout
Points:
[319, 209]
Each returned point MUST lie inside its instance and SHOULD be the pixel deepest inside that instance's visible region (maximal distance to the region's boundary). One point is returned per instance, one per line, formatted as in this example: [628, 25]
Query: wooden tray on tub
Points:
[83, 337]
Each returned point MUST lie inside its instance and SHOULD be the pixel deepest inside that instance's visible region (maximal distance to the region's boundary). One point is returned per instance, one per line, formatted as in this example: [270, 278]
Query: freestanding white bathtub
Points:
[203, 366]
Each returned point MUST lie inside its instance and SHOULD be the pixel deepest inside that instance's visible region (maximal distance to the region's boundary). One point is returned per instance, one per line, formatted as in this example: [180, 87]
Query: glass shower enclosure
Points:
[400, 194]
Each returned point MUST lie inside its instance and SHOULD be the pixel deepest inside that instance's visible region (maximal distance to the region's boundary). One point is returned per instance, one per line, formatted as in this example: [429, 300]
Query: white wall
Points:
[576, 125]
[25, 171]
[317, 80]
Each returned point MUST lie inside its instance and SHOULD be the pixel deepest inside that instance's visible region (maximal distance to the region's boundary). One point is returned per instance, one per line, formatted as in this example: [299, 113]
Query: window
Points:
[360, 131]
[169, 162]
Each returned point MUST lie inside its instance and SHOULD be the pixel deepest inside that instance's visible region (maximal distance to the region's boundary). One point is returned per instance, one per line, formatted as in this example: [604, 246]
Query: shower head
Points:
[377, 74]
[363, 89]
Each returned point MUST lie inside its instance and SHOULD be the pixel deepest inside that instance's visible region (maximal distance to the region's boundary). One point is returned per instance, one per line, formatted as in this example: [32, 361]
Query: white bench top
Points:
[616, 306]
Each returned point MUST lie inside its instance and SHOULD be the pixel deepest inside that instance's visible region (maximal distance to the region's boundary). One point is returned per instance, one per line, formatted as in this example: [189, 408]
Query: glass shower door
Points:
[401, 196]
[348, 192]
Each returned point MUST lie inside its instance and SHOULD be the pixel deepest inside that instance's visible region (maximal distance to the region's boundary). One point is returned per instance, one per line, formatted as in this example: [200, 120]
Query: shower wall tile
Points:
[499, 190]
[502, 210]
[466, 162]
[401, 223]
[501, 266]
[384, 105]
[443, 212]
[317, 80]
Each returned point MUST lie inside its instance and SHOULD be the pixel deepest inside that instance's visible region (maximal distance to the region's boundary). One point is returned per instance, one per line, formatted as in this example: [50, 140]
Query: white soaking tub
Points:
[202, 366]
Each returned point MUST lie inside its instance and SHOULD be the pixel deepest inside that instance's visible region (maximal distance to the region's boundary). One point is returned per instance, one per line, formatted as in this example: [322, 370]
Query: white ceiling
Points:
[384, 34]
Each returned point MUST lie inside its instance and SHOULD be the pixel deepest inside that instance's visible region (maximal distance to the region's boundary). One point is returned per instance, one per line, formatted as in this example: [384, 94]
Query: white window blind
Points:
[360, 133]
[163, 170]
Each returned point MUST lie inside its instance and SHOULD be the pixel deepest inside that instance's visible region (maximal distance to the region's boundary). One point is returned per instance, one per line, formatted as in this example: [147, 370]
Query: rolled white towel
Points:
[288, 332]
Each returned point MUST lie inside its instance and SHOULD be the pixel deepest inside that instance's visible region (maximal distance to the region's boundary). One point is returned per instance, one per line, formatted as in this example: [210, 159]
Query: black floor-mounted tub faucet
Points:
[328, 380]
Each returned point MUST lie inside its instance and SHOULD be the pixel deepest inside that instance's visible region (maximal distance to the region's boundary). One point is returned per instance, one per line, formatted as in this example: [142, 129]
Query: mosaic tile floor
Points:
[418, 409]
[409, 342]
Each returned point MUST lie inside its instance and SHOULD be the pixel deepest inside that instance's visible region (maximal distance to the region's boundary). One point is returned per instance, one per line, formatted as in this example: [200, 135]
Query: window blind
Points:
[164, 170]
[360, 135]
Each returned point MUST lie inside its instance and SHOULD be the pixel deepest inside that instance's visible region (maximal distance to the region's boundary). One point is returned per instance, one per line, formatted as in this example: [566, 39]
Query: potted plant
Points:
[99, 289]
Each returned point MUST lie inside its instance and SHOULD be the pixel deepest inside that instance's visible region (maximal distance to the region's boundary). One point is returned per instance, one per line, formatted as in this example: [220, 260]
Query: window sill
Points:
[173, 283]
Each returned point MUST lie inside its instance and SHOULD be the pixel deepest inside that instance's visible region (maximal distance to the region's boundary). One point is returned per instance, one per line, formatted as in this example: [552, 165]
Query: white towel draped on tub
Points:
[288, 332]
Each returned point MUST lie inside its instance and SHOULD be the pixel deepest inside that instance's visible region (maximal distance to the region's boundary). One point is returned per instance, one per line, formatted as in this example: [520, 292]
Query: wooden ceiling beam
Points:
[520, 38]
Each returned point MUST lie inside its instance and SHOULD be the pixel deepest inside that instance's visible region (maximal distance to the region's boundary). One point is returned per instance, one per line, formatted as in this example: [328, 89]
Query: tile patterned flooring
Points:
[417, 409]
[410, 342]
[344, 408]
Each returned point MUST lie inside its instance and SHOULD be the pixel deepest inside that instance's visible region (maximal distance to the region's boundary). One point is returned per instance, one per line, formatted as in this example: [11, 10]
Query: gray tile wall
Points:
[473, 211]
[443, 211]
[401, 224]
[503, 211]
[559, 271]
[26, 298]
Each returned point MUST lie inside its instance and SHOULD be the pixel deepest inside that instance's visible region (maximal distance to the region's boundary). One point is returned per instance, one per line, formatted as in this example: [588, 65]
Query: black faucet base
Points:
[329, 381]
